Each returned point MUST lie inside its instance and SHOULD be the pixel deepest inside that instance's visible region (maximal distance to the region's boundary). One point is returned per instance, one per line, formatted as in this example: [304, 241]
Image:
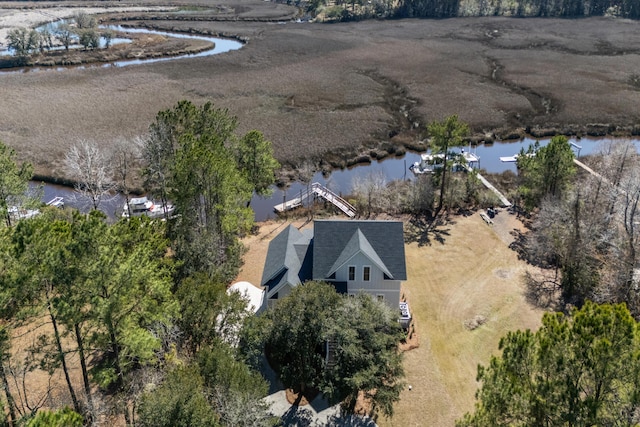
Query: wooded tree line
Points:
[345, 10]
[585, 227]
[128, 305]
[521, 8]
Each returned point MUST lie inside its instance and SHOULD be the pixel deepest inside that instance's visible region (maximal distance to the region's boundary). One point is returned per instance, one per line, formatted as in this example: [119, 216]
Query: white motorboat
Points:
[139, 206]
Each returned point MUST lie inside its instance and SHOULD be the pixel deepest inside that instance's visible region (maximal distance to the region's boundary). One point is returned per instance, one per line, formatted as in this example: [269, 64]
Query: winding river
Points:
[220, 45]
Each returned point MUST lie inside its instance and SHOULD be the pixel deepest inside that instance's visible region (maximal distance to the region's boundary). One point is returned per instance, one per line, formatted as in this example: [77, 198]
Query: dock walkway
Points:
[318, 190]
[505, 203]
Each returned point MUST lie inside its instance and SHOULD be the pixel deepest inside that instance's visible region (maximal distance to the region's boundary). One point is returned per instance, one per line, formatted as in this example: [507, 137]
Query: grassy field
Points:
[334, 92]
[471, 273]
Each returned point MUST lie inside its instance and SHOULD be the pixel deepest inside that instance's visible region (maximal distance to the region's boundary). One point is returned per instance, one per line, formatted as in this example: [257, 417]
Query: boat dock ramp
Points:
[317, 190]
[505, 202]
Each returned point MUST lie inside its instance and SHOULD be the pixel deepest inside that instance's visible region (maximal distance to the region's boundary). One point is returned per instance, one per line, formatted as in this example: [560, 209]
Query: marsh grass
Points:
[341, 91]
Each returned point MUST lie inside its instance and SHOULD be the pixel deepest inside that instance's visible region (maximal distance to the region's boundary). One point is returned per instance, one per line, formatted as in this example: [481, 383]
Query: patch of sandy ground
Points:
[473, 273]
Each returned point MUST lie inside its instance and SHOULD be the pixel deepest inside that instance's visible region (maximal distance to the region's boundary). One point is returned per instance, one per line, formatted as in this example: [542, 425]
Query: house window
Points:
[380, 297]
[352, 272]
[366, 274]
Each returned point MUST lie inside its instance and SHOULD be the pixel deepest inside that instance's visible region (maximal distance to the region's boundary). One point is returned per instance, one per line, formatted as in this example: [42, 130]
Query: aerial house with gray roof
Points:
[354, 256]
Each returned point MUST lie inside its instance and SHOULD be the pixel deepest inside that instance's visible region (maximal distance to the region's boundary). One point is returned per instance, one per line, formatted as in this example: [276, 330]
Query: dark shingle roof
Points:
[357, 243]
[287, 258]
[336, 241]
[295, 257]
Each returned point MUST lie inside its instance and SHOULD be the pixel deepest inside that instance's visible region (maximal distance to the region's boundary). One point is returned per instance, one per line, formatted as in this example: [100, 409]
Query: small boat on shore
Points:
[140, 206]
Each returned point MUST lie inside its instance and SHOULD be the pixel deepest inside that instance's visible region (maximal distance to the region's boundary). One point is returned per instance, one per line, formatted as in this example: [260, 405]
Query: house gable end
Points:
[358, 244]
[385, 239]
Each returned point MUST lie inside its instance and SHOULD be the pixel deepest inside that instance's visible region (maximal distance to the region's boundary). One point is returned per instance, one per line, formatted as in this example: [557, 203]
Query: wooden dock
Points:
[505, 203]
[317, 190]
[592, 172]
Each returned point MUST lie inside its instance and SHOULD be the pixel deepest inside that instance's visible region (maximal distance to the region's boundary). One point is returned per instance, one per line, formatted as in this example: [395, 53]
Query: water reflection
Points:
[219, 46]
[341, 181]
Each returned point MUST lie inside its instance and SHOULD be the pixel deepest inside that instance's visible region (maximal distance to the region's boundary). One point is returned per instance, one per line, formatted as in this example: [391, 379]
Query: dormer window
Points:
[352, 273]
[366, 273]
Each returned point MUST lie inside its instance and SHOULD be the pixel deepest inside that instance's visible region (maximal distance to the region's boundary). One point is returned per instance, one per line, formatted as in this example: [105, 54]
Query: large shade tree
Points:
[344, 347]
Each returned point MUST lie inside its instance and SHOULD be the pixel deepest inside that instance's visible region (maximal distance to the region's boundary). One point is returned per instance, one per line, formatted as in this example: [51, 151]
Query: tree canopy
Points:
[445, 135]
[254, 155]
[547, 171]
[138, 307]
[14, 181]
[577, 370]
[189, 159]
[317, 339]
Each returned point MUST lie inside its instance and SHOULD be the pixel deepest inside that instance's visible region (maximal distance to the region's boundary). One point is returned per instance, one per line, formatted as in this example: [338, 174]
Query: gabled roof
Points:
[357, 244]
[288, 259]
[334, 242]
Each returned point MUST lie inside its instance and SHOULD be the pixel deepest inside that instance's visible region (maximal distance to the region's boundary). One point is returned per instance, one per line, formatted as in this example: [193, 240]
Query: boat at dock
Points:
[140, 206]
[509, 159]
[17, 213]
[429, 162]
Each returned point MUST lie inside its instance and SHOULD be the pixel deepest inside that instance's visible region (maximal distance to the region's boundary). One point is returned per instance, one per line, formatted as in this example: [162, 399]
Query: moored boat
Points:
[429, 162]
[139, 206]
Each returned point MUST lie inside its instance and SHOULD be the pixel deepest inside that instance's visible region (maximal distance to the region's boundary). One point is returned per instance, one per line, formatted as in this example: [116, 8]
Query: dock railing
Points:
[317, 189]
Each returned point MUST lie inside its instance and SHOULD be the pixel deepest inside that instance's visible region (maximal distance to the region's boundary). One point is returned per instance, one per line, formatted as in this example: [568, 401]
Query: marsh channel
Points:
[340, 181]
[219, 45]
